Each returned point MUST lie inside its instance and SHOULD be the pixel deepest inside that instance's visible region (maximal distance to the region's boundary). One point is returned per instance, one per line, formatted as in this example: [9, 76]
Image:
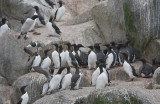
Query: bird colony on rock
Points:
[62, 59]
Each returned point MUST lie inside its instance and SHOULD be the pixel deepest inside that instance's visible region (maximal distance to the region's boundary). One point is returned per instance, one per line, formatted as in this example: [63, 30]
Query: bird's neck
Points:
[69, 48]
[77, 70]
[101, 69]
[60, 5]
[68, 70]
[56, 48]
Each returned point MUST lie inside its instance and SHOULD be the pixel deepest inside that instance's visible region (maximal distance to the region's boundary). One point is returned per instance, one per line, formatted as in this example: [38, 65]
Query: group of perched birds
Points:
[98, 59]
[37, 19]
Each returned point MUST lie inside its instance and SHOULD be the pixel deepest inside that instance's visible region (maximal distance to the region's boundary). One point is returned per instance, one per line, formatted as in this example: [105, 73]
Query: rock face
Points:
[109, 17]
[86, 33]
[153, 47]
[3, 81]
[78, 7]
[5, 97]
[65, 96]
[142, 24]
[87, 96]
[156, 79]
[35, 83]
[84, 17]
[113, 96]
[13, 61]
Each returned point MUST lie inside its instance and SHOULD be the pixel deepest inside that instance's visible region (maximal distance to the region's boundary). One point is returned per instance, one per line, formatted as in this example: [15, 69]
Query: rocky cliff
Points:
[86, 22]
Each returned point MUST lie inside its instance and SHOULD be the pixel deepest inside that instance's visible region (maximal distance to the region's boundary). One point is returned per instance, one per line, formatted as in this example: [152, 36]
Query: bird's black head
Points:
[143, 61]
[60, 3]
[97, 46]
[68, 44]
[23, 89]
[102, 62]
[36, 8]
[125, 56]
[105, 51]
[119, 46]
[4, 20]
[60, 47]
[74, 45]
[33, 44]
[46, 51]
[80, 45]
[112, 43]
[51, 71]
[55, 44]
[34, 17]
[90, 47]
[107, 45]
[126, 43]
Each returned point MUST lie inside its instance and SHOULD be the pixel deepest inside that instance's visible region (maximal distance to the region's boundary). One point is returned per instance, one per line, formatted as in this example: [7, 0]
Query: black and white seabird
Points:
[26, 26]
[76, 49]
[70, 58]
[103, 77]
[66, 80]
[55, 56]
[55, 81]
[127, 48]
[25, 97]
[76, 53]
[40, 20]
[36, 61]
[62, 53]
[4, 29]
[147, 70]
[59, 12]
[128, 68]
[95, 75]
[45, 88]
[99, 53]
[52, 27]
[46, 61]
[76, 78]
[111, 57]
[35, 45]
[92, 58]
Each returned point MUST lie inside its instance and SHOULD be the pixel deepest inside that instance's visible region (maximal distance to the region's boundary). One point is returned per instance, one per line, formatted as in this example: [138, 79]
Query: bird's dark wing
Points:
[20, 101]
[32, 63]
[134, 71]
[89, 52]
[55, 14]
[56, 28]
[23, 21]
[74, 79]
[114, 55]
[60, 86]
[41, 19]
[78, 59]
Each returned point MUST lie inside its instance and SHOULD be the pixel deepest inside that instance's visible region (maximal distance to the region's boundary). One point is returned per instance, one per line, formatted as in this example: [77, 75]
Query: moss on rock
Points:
[109, 98]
